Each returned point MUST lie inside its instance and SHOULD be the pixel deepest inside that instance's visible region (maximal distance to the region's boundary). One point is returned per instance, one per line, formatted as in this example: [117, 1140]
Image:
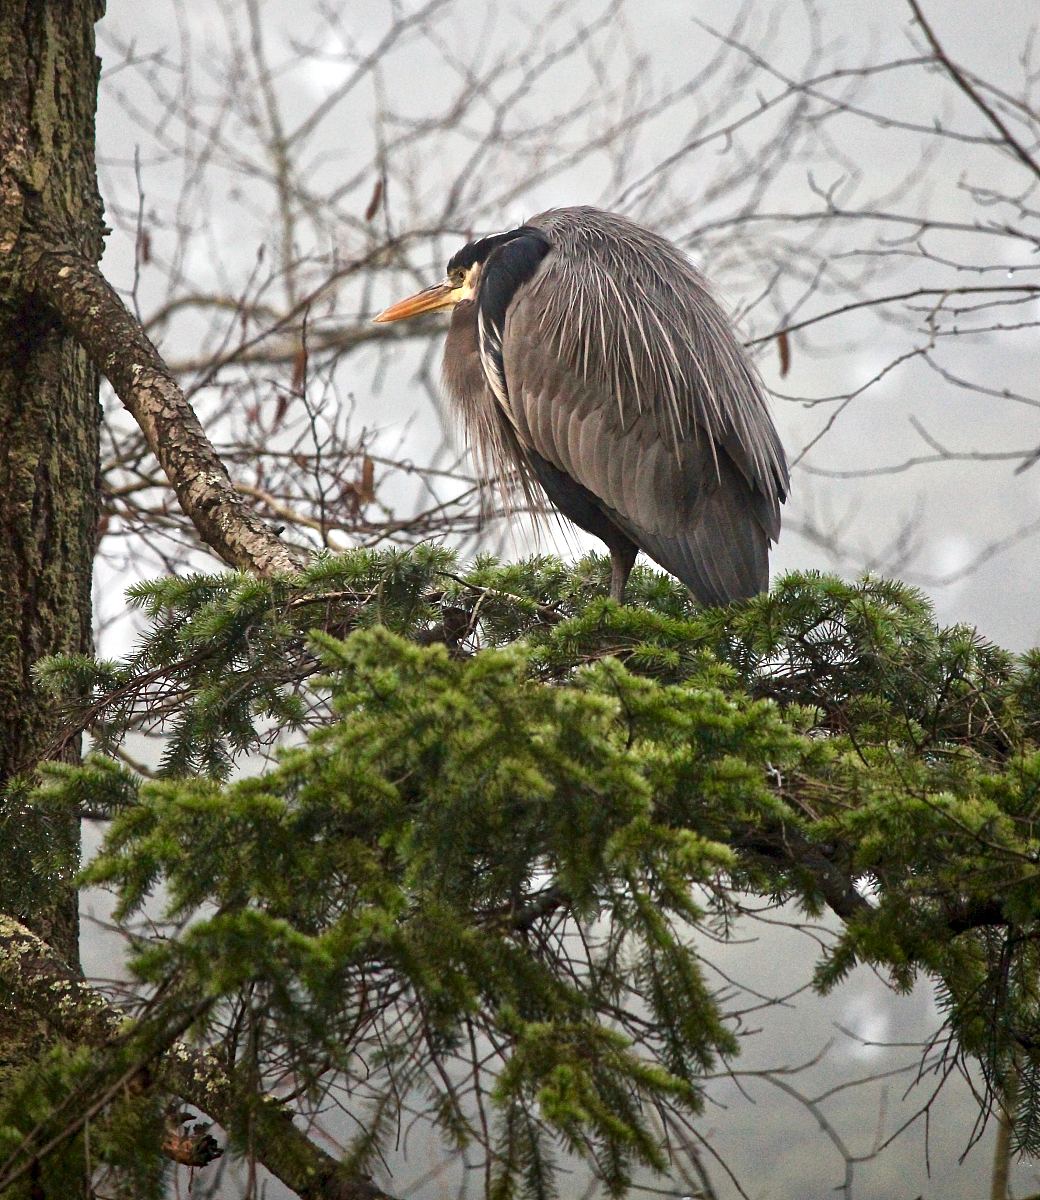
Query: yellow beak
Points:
[441, 295]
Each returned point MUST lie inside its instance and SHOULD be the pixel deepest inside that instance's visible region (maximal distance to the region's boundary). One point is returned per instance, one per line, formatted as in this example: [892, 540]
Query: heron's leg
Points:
[621, 559]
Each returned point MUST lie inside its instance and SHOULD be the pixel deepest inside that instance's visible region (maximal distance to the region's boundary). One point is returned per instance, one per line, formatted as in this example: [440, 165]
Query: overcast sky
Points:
[960, 508]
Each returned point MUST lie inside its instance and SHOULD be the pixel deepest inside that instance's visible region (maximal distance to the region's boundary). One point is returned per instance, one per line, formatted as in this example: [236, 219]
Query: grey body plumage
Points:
[587, 357]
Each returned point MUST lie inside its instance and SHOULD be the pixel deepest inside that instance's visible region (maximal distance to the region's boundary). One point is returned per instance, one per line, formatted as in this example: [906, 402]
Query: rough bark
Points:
[90, 308]
[38, 981]
[49, 433]
[60, 323]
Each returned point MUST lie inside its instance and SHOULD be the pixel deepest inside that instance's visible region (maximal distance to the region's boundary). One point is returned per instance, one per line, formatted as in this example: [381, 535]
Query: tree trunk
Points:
[49, 438]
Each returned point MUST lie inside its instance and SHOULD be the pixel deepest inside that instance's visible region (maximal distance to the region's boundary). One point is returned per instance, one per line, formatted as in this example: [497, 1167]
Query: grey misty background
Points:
[607, 124]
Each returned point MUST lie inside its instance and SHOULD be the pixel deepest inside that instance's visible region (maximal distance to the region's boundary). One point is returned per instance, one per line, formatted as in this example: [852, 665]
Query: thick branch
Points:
[789, 849]
[837, 887]
[89, 307]
[34, 977]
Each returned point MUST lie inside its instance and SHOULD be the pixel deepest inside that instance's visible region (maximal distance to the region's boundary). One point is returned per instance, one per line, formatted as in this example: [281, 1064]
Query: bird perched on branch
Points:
[588, 357]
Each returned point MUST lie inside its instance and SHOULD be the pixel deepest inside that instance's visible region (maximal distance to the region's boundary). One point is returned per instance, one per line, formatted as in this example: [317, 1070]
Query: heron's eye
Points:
[457, 277]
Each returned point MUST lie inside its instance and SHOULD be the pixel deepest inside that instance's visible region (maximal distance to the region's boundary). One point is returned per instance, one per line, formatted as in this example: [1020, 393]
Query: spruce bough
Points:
[469, 878]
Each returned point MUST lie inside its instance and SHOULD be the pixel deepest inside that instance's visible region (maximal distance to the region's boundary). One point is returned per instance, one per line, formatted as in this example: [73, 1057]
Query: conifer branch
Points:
[33, 976]
[786, 848]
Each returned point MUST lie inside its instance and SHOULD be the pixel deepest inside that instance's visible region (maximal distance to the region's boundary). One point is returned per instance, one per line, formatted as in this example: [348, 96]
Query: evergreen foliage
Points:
[467, 878]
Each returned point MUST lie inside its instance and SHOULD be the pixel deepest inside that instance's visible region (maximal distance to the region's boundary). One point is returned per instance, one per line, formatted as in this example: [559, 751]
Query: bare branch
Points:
[961, 80]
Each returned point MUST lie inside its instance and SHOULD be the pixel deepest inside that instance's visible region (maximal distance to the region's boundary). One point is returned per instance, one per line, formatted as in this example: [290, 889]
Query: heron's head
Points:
[461, 282]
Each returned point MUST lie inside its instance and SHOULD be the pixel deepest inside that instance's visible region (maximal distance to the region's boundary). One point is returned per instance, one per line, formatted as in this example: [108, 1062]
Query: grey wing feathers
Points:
[721, 558]
[623, 372]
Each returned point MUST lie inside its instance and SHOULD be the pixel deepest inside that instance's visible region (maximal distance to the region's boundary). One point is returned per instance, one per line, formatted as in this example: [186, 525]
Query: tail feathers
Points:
[724, 556]
[716, 569]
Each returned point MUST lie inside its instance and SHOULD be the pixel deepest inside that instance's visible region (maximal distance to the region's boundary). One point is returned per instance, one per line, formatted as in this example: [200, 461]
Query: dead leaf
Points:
[366, 491]
[195, 1147]
[784, 346]
[373, 204]
[299, 369]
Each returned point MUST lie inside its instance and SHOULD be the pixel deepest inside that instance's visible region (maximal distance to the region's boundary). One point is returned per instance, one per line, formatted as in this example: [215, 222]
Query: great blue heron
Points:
[587, 354]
